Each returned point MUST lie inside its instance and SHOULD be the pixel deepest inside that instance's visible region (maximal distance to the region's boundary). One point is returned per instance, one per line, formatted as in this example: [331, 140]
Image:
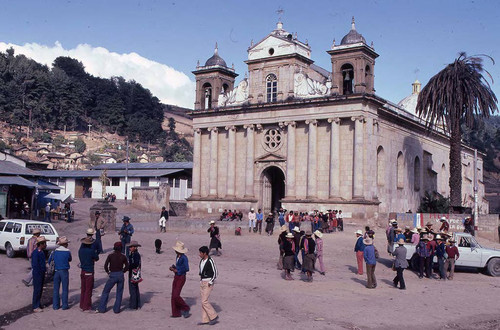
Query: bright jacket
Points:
[369, 255]
[62, 258]
[360, 246]
[182, 265]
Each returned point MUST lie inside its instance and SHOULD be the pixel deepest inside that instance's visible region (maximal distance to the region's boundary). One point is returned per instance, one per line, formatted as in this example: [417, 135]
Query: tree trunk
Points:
[455, 166]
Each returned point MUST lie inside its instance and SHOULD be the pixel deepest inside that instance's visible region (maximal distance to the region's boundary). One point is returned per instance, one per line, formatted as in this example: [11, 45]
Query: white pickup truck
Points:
[472, 254]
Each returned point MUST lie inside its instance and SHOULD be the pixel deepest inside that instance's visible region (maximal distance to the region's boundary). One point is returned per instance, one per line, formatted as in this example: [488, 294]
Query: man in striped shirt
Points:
[208, 274]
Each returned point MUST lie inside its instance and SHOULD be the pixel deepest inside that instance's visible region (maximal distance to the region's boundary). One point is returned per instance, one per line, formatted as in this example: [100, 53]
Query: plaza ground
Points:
[250, 292]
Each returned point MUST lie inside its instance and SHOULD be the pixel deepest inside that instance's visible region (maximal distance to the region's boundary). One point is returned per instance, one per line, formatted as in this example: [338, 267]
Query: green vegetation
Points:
[434, 203]
[80, 145]
[485, 137]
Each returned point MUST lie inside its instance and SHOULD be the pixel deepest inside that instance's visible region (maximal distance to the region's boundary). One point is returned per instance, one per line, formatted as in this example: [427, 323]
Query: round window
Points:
[272, 139]
[271, 51]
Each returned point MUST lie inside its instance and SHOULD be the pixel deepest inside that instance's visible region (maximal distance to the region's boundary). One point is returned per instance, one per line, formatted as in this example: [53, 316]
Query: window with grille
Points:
[272, 88]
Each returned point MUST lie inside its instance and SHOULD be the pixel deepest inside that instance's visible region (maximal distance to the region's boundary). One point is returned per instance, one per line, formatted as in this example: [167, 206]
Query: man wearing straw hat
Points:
[181, 267]
[453, 255]
[88, 256]
[38, 266]
[371, 262]
[208, 274]
[359, 249]
[441, 256]
[62, 258]
[400, 263]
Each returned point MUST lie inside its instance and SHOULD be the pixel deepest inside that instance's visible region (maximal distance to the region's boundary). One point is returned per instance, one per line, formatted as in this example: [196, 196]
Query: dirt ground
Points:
[250, 293]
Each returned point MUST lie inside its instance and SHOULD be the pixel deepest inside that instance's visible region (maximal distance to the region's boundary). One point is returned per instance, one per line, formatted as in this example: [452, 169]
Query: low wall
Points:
[151, 199]
[178, 208]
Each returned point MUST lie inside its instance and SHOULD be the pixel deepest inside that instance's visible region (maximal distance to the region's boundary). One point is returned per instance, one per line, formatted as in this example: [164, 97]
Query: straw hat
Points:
[399, 229]
[90, 231]
[62, 240]
[318, 233]
[429, 224]
[212, 222]
[392, 220]
[87, 241]
[438, 237]
[309, 233]
[451, 240]
[284, 228]
[401, 241]
[40, 239]
[414, 230]
[289, 235]
[179, 247]
[368, 241]
[36, 231]
[359, 232]
[270, 213]
[252, 209]
[134, 243]
[443, 219]
[296, 229]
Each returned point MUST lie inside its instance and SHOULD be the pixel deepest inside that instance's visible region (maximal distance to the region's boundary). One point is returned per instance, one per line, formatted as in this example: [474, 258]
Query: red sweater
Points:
[452, 251]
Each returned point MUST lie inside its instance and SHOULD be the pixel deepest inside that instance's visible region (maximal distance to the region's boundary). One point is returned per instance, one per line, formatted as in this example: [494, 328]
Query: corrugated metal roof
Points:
[16, 180]
[10, 168]
[110, 174]
[144, 166]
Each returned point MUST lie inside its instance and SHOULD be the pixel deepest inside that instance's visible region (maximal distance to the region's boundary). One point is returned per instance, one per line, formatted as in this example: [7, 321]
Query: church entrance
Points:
[273, 189]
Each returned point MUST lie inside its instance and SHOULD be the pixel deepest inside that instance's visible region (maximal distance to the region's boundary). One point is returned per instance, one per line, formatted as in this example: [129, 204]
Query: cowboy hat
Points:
[401, 241]
[36, 231]
[179, 247]
[284, 228]
[407, 227]
[368, 241]
[438, 237]
[424, 238]
[414, 230]
[133, 243]
[318, 233]
[451, 240]
[392, 220]
[289, 235]
[359, 232]
[62, 240]
[270, 213]
[429, 224]
[309, 233]
[252, 209]
[90, 231]
[296, 229]
[212, 222]
[125, 218]
[443, 219]
[40, 239]
[399, 229]
[87, 241]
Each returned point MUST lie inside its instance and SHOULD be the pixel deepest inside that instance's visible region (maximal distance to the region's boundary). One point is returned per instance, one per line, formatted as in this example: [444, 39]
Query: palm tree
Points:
[457, 94]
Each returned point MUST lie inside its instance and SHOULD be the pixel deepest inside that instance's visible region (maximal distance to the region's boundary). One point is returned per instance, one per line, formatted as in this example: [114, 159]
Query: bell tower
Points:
[353, 64]
[212, 79]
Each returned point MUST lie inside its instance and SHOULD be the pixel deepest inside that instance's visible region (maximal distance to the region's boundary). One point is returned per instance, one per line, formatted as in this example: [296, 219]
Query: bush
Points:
[58, 140]
[434, 203]
[80, 145]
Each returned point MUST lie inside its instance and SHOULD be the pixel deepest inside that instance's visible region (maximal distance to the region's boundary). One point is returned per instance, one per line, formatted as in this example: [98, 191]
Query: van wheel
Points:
[493, 267]
[9, 251]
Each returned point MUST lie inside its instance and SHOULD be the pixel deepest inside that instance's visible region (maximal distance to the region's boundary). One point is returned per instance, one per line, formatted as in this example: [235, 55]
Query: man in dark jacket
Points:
[88, 256]
[208, 274]
[38, 266]
[134, 262]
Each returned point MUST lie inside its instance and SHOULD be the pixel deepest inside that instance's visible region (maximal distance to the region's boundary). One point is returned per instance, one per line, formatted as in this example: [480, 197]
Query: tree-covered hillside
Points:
[66, 97]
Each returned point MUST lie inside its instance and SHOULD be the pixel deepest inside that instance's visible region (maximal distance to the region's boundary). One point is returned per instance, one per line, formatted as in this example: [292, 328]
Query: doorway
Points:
[273, 189]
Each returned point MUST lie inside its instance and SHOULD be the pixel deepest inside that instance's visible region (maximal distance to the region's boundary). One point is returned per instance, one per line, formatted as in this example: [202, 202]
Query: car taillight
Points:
[21, 241]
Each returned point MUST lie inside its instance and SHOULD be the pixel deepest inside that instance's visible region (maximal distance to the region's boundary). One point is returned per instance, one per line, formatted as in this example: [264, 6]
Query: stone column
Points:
[290, 159]
[197, 163]
[357, 175]
[312, 158]
[213, 161]
[231, 161]
[334, 191]
[249, 170]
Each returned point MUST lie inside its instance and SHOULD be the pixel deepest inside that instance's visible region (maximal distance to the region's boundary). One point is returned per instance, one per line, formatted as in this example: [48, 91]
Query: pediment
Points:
[270, 157]
[280, 46]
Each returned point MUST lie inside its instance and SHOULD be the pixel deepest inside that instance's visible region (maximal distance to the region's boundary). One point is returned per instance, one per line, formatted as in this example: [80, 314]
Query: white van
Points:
[15, 233]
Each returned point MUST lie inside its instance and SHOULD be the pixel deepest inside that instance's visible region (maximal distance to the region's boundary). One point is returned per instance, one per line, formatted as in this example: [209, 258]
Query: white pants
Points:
[251, 223]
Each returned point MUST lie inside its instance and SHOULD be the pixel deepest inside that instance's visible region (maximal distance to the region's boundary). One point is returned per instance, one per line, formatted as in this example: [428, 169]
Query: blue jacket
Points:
[182, 265]
[38, 262]
[399, 236]
[88, 256]
[440, 250]
[369, 255]
[61, 257]
[360, 246]
[259, 216]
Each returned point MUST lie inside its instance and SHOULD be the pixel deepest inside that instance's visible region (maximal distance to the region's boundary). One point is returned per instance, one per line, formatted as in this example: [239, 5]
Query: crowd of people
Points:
[125, 259]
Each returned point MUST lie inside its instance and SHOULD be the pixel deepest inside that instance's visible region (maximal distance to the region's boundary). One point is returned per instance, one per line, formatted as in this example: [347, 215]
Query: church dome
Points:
[409, 103]
[216, 59]
[353, 37]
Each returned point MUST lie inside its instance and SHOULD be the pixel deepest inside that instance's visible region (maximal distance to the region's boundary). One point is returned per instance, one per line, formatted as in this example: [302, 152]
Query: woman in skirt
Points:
[288, 256]
[308, 245]
[214, 238]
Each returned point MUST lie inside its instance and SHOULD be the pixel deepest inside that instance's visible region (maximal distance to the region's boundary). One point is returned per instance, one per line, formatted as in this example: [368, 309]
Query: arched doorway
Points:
[273, 189]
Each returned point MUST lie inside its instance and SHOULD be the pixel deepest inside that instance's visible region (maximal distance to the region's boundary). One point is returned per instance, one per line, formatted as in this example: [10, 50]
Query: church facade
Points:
[298, 136]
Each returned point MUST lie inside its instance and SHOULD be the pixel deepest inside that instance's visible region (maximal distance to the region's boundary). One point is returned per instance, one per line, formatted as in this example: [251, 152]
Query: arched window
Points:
[400, 171]
[347, 79]
[207, 96]
[380, 166]
[225, 88]
[272, 88]
[416, 174]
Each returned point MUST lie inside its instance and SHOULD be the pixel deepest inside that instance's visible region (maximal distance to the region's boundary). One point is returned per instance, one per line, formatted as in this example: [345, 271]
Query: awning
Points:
[65, 198]
[16, 181]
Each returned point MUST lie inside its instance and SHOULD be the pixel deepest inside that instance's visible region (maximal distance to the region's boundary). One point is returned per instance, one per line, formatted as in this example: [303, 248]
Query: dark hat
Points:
[117, 246]
[97, 212]
[125, 218]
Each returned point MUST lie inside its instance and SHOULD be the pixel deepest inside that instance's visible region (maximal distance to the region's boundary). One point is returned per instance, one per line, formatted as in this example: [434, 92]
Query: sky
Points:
[158, 43]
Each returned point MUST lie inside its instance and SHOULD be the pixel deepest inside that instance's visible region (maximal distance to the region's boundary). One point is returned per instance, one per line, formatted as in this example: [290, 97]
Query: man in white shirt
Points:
[251, 219]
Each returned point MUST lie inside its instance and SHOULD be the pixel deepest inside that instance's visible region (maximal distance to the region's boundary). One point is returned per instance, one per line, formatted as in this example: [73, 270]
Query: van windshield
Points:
[45, 229]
